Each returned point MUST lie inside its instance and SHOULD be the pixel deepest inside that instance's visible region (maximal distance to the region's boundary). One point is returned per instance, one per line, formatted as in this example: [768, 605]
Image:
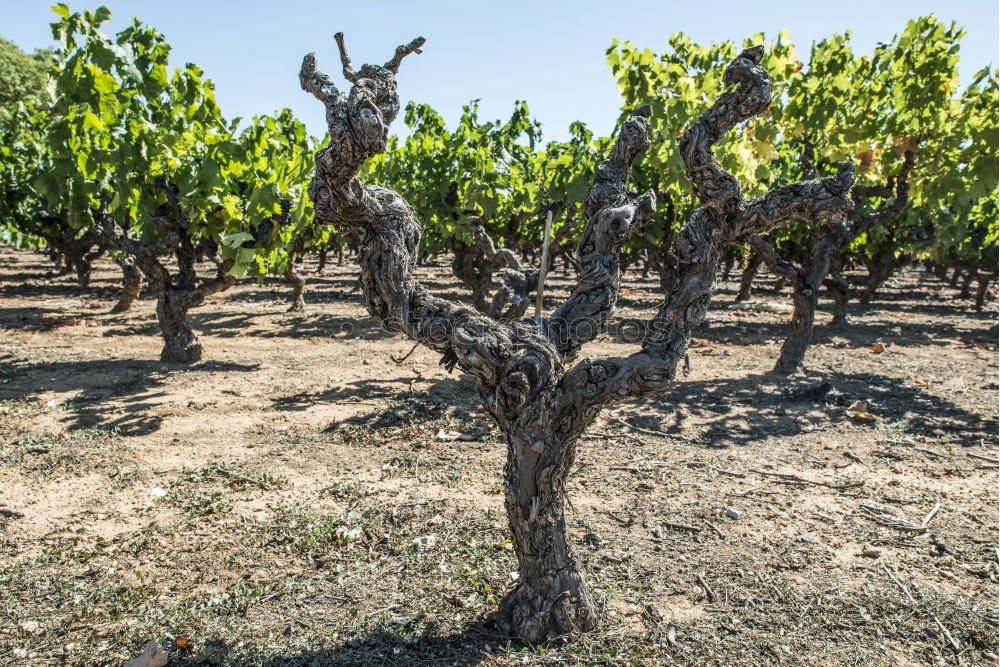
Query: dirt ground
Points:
[299, 498]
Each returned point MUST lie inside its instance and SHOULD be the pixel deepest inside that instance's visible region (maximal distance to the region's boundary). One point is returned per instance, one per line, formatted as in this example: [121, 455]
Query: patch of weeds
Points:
[894, 429]
[123, 477]
[344, 489]
[211, 489]
[198, 504]
[405, 463]
[240, 599]
[235, 475]
[406, 412]
[75, 452]
[19, 407]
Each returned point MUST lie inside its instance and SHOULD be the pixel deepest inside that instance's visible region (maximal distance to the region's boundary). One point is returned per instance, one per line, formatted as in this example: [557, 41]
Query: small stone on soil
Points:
[425, 542]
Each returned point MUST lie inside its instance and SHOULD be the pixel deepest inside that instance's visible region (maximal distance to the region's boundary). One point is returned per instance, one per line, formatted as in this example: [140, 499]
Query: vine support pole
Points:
[544, 270]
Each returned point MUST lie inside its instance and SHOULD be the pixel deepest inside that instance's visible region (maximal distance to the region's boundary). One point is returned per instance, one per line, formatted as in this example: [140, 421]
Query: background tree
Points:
[144, 157]
[957, 212]
[910, 145]
[23, 77]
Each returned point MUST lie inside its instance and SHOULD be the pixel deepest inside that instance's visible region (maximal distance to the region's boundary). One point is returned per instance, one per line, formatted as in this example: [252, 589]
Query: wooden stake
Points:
[545, 265]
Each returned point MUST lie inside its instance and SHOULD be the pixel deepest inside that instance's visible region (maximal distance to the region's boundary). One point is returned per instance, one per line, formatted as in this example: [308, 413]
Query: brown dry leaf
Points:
[859, 410]
[902, 144]
[923, 382]
[865, 158]
[453, 435]
[181, 642]
[878, 348]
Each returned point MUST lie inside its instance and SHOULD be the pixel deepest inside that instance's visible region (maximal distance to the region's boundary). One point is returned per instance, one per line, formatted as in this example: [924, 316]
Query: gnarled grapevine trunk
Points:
[76, 254]
[896, 196]
[475, 270]
[180, 345]
[840, 290]
[806, 282]
[131, 284]
[966, 288]
[85, 264]
[746, 278]
[298, 304]
[321, 263]
[520, 367]
[175, 295]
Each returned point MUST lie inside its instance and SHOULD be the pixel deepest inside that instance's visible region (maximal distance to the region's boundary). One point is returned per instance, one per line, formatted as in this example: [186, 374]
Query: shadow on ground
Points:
[743, 411]
[400, 401]
[106, 389]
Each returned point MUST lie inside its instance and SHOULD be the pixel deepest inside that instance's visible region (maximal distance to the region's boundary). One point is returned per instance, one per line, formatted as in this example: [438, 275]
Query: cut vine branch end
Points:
[392, 65]
[345, 59]
[402, 51]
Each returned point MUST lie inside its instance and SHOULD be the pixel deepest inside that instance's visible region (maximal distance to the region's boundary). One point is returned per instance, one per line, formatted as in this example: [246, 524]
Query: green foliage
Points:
[483, 167]
[130, 138]
[838, 106]
[22, 77]
[126, 135]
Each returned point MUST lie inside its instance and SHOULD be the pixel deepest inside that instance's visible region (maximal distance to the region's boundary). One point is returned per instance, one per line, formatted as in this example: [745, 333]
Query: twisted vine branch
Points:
[723, 217]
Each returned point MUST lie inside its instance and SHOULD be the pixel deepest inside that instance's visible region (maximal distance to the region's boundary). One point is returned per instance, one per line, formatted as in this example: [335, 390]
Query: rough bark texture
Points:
[298, 282]
[471, 266]
[477, 264]
[746, 278]
[131, 284]
[520, 366]
[820, 257]
[511, 298]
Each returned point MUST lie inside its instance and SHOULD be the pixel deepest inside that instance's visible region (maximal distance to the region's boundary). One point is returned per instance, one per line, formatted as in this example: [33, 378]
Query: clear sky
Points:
[551, 54]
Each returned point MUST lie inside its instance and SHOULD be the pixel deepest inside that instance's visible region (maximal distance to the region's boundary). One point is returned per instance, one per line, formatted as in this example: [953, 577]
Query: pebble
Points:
[732, 513]
[425, 542]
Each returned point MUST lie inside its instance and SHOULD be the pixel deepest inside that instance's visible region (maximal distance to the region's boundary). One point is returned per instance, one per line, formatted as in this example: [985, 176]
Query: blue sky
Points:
[551, 54]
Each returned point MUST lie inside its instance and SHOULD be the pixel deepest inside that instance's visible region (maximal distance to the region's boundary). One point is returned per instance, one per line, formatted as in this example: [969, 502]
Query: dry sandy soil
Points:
[271, 505]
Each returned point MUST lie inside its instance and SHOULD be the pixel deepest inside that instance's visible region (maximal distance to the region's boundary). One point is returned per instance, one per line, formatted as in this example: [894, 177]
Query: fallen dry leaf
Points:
[859, 410]
[453, 435]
